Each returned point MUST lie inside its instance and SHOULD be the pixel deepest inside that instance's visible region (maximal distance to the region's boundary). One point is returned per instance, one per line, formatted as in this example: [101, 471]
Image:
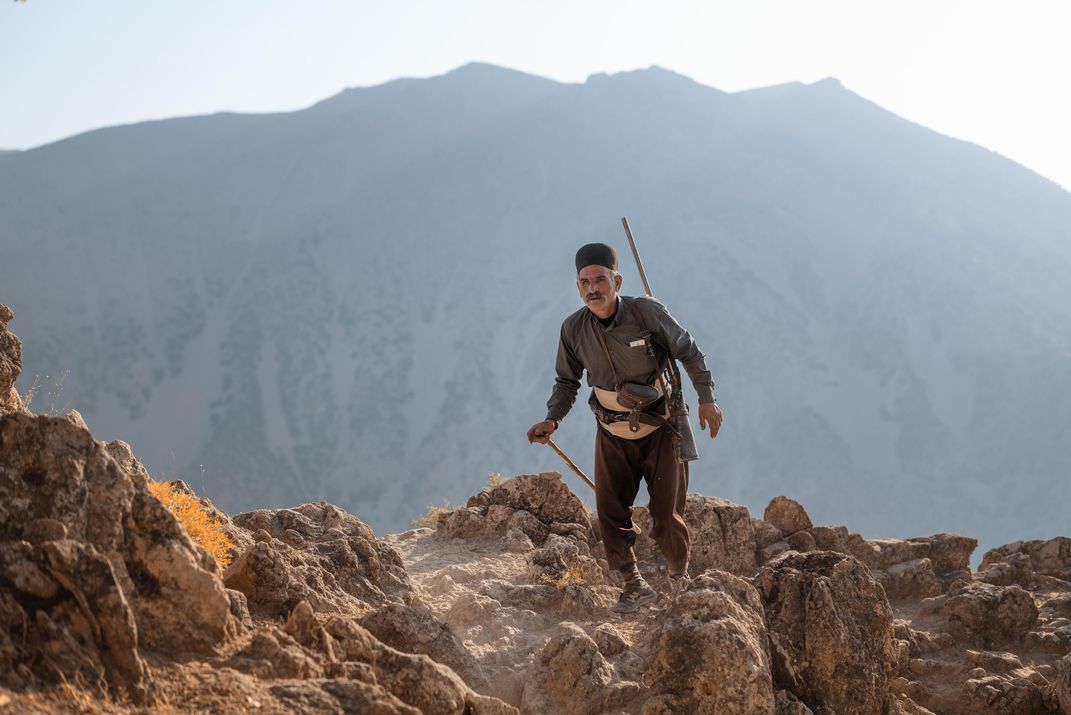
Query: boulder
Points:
[802, 541]
[1006, 695]
[913, 580]
[416, 630]
[708, 651]
[522, 512]
[787, 515]
[563, 561]
[831, 631]
[67, 607]
[722, 536]
[10, 366]
[316, 553]
[63, 494]
[1063, 684]
[1014, 569]
[543, 495]
[274, 654]
[572, 677]
[765, 534]
[334, 696]
[1050, 558]
[988, 614]
[416, 680]
[949, 554]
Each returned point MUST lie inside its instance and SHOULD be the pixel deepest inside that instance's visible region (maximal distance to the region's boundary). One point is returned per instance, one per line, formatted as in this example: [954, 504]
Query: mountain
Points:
[359, 302]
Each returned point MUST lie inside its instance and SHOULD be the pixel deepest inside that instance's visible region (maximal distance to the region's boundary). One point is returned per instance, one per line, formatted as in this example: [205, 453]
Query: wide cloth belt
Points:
[634, 424]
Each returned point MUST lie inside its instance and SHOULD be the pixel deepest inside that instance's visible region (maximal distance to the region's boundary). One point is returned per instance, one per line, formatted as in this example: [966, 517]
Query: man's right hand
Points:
[541, 431]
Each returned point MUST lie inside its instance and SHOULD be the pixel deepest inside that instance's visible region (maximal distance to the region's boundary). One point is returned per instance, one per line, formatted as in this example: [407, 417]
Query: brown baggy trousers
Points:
[620, 464]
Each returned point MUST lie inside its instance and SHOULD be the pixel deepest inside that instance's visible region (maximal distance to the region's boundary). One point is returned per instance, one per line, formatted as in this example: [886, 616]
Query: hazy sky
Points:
[995, 73]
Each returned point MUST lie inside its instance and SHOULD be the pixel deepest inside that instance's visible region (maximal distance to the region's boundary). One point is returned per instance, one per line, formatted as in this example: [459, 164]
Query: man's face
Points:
[598, 286]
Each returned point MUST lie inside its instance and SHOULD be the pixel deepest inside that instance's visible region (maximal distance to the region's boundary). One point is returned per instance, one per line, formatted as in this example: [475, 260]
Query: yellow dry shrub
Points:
[430, 518]
[202, 527]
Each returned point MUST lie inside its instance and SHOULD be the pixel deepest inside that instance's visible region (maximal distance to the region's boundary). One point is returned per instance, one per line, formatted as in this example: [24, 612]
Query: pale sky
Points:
[993, 73]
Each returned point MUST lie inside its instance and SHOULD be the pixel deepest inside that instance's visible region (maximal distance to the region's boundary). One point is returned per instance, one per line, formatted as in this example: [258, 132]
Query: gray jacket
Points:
[579, 349]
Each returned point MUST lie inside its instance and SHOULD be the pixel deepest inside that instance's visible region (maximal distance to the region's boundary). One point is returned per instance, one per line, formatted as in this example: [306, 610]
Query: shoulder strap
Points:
[606, 351]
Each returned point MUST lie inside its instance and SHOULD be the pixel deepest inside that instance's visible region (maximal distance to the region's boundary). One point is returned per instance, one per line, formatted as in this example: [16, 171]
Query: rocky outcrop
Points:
[531, 505]
[1023, 692]
[1020, 561]
[708, 652]
[97, 567]
[416, 680]
[416, 630]
[988, 614]
[316, 553]
[830, 630]
[722, 533]
[1063, 683]
[10, 366]
[571, 676]
[787, 515]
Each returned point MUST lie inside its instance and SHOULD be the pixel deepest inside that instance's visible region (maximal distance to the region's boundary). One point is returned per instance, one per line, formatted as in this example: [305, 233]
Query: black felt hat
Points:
[596, 254]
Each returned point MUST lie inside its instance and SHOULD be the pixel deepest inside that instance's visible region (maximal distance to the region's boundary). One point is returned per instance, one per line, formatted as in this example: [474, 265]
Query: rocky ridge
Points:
[501, 607]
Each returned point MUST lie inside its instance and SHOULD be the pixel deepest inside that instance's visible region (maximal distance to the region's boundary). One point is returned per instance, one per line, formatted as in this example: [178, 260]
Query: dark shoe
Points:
[634, 597]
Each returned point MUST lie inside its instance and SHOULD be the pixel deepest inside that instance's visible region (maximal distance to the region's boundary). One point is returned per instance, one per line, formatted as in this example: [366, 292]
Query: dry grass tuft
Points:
[202, 527]
[430, 518]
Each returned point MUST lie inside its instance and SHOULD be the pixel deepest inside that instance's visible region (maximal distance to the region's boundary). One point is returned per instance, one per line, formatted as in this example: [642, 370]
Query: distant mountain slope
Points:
[360, 301]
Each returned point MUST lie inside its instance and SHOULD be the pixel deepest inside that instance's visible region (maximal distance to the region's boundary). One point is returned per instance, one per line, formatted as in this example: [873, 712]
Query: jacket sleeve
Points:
[682, 347]
[567, 382]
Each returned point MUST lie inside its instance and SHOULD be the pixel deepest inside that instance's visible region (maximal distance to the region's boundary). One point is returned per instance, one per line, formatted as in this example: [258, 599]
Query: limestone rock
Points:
[993, 661]
[765, 534]
[1050, 558]
[544, 495]
[272, 653]
[10, 366]
[334, 696]
[903, 705]
[570, 676]
[912, 579]
[415, 630]
[989, 614]
[830, 629]
[708, 650]
[949, 554]
[787, 515]
[787, 703]
[316, 553]
[1063, 683]
[722, 536]
[417, 680]
[802, 541]
[1014, 569]
[522, 511]
[98, 627]
[62, 491]
[1006, 695]
[563, 561]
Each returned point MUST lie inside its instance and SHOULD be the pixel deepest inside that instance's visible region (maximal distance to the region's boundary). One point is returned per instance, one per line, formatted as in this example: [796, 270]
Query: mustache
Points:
[594, 296]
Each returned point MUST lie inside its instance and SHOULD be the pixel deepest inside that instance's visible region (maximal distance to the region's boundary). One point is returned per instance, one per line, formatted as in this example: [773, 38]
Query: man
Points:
[623, 342]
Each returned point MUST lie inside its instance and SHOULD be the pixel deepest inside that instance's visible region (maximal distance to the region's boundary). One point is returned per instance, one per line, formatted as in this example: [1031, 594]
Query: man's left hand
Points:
[710, 418]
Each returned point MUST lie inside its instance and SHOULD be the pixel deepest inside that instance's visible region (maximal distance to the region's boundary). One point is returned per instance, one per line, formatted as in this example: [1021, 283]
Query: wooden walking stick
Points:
[571, 464]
